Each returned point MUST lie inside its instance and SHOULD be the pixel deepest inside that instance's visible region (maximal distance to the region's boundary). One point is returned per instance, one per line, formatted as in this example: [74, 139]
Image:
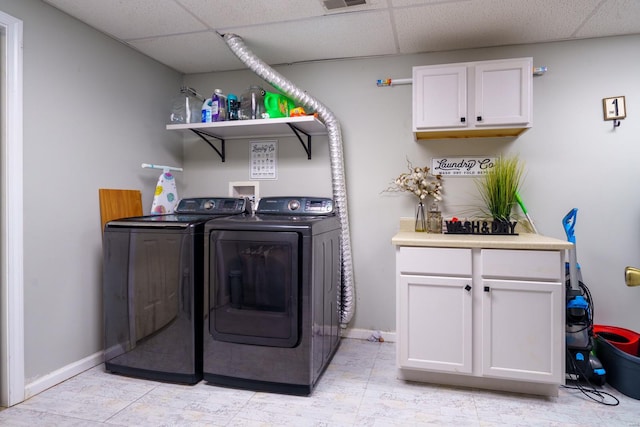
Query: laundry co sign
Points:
[462, 166]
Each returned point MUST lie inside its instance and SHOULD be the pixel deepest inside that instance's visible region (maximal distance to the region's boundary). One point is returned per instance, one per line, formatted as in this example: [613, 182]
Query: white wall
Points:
[573, 159]
[94, 110]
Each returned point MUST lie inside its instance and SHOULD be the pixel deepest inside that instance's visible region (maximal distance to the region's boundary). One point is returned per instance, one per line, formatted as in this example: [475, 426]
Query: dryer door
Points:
[254, 287]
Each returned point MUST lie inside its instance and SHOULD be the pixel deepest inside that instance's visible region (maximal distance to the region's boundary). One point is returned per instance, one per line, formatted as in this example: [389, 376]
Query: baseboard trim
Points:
[62, 374]
[366, 334]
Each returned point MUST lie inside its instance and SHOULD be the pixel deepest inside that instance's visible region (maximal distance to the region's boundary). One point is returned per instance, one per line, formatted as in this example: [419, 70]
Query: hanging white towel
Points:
[166, 195]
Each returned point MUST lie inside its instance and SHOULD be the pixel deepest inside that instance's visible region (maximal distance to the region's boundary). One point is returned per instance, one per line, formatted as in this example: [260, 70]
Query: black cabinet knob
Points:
[487, 289]
[467, 288]
[479, 118]
[463, 119]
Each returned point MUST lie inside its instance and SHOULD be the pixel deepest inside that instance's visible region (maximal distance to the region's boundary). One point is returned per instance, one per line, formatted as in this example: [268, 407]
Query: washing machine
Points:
[272, 283]
[153, 290]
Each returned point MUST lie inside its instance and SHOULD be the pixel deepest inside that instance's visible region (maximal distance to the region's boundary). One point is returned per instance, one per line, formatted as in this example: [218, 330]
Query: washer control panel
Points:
[212, 205]
[295, 206]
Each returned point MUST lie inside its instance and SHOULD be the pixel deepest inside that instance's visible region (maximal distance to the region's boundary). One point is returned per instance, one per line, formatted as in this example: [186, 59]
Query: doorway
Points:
[11, 214]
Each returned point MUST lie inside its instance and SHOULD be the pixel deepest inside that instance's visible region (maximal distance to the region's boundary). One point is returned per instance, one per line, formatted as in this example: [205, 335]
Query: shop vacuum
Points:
[582, 363]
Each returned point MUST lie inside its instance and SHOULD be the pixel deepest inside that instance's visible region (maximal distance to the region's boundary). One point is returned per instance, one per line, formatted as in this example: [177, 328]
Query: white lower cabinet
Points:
[490, 318]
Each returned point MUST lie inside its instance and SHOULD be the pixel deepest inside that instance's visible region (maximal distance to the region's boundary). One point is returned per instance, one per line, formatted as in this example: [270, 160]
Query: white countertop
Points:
[407, 237]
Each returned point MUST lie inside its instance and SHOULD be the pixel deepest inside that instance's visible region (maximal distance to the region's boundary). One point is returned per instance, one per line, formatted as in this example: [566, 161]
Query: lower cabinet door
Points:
[435, 323]
[522, 330]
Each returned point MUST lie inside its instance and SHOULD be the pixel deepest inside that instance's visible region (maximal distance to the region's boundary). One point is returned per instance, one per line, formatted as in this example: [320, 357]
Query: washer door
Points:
[254, 287]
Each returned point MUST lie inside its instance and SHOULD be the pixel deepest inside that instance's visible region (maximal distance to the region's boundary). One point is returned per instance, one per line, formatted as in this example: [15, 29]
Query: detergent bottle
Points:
[277, 105]
[206, 111]
[218, 106]
[233, 107]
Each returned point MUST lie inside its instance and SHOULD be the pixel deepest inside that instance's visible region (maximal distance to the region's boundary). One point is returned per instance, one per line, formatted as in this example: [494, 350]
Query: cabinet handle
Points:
[487, 289]
[479, 118]
[467, 288]
[463, 119]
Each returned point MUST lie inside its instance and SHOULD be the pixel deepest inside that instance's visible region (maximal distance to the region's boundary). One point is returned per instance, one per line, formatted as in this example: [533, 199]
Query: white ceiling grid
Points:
[184, 34]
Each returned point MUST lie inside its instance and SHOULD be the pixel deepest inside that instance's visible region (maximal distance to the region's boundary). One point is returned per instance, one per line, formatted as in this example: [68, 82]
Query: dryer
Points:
[153, 290]
[272, 285]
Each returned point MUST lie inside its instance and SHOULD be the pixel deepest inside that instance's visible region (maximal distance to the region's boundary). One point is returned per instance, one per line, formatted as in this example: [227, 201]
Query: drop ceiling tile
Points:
[125, 19]
[236, 13]
[479, 23]
[614, 17]
[369, 5]
[334, 36]
[404, 3]
[190, 53]
[233, 13]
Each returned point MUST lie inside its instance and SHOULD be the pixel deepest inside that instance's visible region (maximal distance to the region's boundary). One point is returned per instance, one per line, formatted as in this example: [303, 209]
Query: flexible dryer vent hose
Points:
[346, 298]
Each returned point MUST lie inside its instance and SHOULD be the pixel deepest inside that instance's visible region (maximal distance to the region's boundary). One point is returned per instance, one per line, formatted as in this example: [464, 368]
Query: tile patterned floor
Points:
[359, 388]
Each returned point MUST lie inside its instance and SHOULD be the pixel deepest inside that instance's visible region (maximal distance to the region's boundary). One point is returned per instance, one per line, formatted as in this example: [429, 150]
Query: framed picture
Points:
[614, 108]
[264, 159]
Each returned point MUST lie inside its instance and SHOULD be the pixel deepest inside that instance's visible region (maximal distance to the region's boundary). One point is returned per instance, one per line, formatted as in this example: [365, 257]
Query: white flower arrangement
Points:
[420, 182]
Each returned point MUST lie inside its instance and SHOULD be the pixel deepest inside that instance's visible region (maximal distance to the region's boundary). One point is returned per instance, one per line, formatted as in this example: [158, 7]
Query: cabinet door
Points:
[440, 97]
[434, 323]
[503, 92]
[522, 330]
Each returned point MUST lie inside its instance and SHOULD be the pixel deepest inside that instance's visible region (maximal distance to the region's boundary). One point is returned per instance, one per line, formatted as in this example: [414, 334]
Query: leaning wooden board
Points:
[115, 204]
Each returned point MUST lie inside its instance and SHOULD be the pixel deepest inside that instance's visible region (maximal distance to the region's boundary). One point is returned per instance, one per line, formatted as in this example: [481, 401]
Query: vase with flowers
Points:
[422, 184]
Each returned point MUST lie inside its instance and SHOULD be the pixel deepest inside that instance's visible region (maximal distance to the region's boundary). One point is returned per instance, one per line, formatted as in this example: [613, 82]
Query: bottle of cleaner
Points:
[206, 111]
[233, 107]
[218, 106]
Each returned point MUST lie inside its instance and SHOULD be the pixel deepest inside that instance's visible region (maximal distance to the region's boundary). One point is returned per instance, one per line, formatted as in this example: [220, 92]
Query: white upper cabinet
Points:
[473, 99]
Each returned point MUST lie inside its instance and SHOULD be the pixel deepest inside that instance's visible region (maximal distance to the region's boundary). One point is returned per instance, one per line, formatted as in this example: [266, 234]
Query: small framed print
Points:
[614, 108]
[264, 159]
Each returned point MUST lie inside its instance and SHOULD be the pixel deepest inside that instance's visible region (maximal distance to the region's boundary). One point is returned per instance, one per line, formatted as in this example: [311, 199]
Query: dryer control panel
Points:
[295, 206]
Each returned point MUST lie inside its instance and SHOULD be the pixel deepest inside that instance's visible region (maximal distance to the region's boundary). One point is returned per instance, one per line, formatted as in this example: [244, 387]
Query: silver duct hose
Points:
[346, 299]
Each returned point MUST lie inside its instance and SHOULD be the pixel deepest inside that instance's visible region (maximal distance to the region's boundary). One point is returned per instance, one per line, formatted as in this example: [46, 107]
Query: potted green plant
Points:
[499, 186]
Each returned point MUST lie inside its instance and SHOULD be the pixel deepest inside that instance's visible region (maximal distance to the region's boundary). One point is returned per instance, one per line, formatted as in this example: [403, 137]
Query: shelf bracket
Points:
[204, 135]
[306, 147]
